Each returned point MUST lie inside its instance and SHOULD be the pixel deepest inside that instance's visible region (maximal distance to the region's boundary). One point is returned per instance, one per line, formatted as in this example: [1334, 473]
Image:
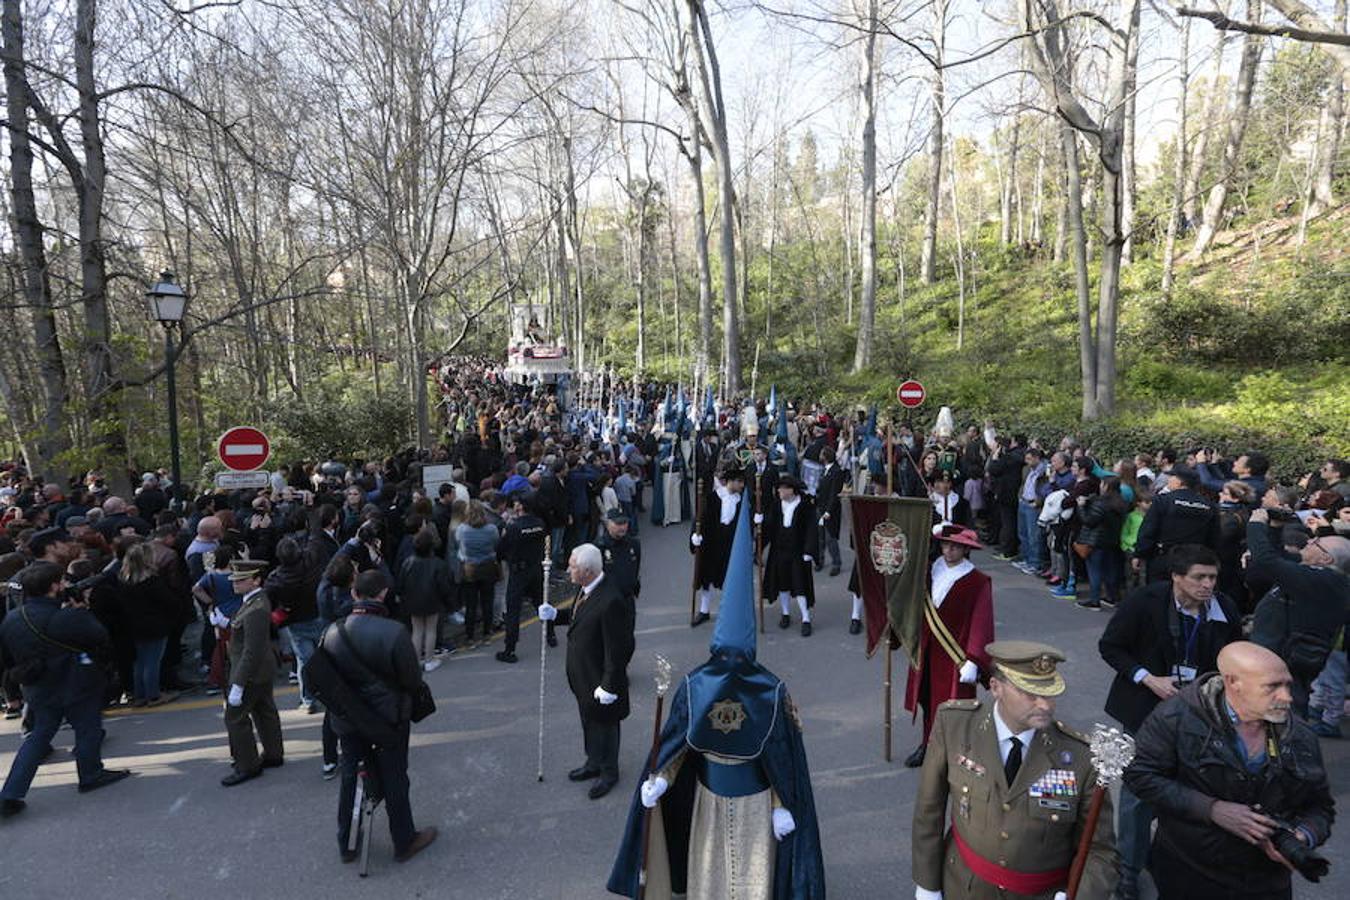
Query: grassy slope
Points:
[1228, 362]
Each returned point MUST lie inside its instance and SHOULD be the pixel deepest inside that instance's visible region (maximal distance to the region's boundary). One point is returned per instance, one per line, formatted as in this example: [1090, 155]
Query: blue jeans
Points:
[304, 638]
[1029, 535]
[1133, 831]
[145, 670]
[1103, 567]
[631, 512]
[85, 718]
[1329, 689]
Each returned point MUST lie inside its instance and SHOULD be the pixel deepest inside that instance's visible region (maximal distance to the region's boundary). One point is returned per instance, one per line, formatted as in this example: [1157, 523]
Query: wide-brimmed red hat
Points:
[955, 534]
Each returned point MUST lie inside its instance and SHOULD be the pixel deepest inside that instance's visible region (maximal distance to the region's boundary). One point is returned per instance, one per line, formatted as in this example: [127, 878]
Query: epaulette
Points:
[1069, 732]
[967, 705]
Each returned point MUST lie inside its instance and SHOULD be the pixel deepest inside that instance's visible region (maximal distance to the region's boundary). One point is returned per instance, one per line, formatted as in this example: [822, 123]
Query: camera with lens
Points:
[74, 593]
[1307, 861]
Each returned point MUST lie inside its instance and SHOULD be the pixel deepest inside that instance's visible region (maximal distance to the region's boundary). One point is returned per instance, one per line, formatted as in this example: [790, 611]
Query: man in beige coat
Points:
[249, 703]
[1019, 785]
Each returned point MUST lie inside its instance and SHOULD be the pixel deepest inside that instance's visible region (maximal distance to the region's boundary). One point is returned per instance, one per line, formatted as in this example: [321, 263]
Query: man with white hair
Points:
[599, 646]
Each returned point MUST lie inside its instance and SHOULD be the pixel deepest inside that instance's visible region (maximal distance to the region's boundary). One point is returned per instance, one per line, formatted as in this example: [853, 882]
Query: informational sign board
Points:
[239, 481]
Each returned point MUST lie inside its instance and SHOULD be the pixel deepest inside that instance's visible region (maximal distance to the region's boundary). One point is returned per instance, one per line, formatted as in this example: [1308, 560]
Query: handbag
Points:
[1083, 550]
[423, 704]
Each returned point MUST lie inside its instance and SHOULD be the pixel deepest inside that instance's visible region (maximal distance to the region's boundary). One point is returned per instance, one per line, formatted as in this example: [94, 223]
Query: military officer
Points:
[622, 554]
[1019, 785]
[249, 702]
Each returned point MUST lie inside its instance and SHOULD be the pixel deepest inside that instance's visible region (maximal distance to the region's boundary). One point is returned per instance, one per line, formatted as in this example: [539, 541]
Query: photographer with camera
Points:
[1237, 783]
[1164, 636]
[1301, 615]
[50, 643]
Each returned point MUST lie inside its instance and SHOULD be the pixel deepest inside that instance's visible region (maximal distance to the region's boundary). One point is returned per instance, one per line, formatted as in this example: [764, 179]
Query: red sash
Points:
[1030, 883]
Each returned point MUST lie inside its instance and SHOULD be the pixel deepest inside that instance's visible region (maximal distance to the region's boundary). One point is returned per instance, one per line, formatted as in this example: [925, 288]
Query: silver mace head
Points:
[1112, 752]
[662, 675]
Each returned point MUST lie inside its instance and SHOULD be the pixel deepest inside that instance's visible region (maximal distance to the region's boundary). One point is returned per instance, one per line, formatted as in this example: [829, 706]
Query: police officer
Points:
[1018, 784]
[1179, 516]
[49, 643]
[622, 554]
[522, 552]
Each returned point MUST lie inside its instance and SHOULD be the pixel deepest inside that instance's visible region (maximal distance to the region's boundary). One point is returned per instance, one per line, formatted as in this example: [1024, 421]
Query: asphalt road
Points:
[173, 832]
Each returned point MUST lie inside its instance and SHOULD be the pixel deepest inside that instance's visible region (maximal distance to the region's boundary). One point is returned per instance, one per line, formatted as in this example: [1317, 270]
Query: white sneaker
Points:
[431, 665]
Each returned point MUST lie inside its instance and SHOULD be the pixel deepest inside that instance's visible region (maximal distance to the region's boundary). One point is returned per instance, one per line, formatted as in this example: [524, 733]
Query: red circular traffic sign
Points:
[910, 394]
[243, 448]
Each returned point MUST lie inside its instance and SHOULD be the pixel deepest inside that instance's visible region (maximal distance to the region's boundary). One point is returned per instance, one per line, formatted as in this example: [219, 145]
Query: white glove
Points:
[926, 894]
[783, 823]
[759, 518]
[1060, 895]
[604, 697]
[821, 523]
[696, 539]
[218, 618]
[969, 672]
[547, 612]
[652, 789]
[236, 697]
[806, 557]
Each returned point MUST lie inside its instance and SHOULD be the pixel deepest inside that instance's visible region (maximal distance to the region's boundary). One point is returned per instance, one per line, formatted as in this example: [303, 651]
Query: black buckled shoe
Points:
[855, 626]
[699, 620]
[915, 759]
[601, 788]
[806, 629]
[784, 621]
[581, 773]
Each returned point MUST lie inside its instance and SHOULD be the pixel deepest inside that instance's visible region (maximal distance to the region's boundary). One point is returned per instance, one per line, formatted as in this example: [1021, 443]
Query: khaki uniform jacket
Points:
[1006, 824]
[251, 658]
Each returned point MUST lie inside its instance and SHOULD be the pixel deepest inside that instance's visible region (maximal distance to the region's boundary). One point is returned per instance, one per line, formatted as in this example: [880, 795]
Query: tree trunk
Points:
[714, 109]
[1332, 119]
[93, 276]
[52, 439]
[1077, 232]
[1237, 130]
[1129, 177]
[928, 259]
[1196, 167]
[862, 353]
[1179, 167]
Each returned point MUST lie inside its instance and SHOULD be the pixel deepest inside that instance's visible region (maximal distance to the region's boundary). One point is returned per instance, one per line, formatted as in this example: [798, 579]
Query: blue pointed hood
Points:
[735, 629]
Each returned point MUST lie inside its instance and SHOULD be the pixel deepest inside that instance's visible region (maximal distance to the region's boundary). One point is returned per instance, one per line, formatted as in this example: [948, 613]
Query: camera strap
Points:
[41, 635]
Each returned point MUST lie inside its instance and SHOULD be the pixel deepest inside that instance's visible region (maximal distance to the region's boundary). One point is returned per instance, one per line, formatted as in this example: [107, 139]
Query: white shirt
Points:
[1006, 734]
[731, 501]
[945, 577]
[588, 588]
[943, 504]
[789, 509]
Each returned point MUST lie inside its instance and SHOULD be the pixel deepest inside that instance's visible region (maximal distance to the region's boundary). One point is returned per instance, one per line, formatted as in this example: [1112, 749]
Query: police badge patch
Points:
[889, 548]
[727, 716]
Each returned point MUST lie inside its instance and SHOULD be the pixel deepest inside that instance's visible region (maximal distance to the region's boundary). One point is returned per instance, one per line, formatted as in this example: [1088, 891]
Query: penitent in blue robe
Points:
[799, 869]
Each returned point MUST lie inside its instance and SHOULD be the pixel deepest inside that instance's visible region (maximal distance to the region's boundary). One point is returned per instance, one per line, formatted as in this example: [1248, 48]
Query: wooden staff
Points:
[543, 652]
[698, 551]
[759, 574]
[662, 685]
[1085, 842]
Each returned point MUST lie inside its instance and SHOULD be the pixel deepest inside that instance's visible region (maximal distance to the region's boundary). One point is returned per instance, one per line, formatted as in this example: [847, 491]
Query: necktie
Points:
[1014, 760]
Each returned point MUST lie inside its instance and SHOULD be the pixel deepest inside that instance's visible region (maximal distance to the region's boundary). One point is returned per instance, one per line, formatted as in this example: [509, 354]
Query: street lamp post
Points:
[168, 302]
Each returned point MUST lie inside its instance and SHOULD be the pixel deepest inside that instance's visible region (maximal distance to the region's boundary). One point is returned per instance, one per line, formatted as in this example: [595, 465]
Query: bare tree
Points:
[862, 353]
[936, 141]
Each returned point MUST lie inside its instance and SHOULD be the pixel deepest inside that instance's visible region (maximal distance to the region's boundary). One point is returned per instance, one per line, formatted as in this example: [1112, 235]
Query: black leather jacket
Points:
[1186, 759]
[53, 650]
[385, 648]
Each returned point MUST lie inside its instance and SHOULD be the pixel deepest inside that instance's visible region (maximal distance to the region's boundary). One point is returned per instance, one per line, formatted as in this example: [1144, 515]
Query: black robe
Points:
[710, 561]
[784, 568]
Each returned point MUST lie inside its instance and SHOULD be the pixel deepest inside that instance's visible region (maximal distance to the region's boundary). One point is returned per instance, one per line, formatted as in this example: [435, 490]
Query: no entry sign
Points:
[910, 394]
[243, 449]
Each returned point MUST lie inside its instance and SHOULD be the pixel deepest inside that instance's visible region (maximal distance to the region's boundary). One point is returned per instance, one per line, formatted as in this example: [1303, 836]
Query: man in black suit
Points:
[828, 508]
[1164, 636]
[599, 646]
